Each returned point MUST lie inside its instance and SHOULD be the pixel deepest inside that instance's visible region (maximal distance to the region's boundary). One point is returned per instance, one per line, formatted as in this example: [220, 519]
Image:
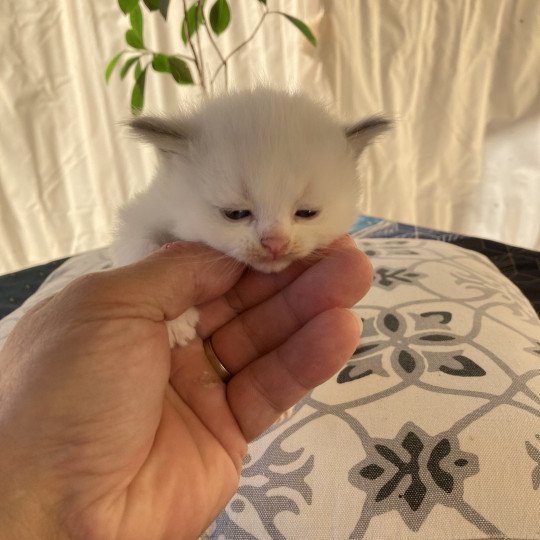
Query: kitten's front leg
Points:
[182, 329]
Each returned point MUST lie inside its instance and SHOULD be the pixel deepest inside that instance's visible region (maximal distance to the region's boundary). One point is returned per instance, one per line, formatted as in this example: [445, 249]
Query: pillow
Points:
[431, 430]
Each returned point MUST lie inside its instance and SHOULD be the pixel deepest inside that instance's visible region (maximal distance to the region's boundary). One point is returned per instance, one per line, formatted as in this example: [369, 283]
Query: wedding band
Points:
[211, 355]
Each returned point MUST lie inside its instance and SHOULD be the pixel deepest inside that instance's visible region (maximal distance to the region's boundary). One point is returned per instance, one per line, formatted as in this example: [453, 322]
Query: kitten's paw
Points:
[182, 329]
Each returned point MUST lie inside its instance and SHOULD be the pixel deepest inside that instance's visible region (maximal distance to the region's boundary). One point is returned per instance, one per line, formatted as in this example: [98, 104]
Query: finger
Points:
[270, 385]
[255, 287]
[339, 280]
[161, 286]
[251, 289]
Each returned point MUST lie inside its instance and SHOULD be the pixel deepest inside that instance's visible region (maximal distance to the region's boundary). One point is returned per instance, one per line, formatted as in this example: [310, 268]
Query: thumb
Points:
[165, 284]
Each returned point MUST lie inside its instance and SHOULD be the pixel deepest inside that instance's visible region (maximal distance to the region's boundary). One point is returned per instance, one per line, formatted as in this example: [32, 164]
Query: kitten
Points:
[263, 176]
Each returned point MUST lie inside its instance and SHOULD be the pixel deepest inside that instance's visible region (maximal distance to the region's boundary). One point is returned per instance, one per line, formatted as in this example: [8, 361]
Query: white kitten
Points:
[265, 177]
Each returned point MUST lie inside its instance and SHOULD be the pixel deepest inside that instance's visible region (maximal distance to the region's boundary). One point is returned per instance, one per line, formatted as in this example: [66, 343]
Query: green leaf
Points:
[220, 16]
[127, 5]
[162, 5]
[152, 5]
[133, 39]
[180, 70]
[137, 94]
[192, 21]
[136, 20]
[263, 2]
[112, 64]
[303, 27]
[138, 69]
[127, 66]
[164, 8]
[160, 63]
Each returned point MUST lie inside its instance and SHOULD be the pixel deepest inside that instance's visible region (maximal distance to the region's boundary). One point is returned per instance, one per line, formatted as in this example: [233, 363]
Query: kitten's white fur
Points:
[269, 152]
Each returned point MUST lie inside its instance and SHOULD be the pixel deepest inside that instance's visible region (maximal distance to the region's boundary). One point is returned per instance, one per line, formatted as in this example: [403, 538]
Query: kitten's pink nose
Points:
[275, 245]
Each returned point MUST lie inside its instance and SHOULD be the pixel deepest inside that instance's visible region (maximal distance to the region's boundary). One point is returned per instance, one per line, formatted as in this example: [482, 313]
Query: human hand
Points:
[107, 433]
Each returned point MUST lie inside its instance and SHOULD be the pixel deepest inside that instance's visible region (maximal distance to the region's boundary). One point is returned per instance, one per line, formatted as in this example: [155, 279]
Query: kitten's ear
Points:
[362, 133]
[167, 135]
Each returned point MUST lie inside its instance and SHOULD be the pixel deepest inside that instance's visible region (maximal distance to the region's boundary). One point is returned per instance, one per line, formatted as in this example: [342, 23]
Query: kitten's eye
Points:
[306, 214]
[236, 215]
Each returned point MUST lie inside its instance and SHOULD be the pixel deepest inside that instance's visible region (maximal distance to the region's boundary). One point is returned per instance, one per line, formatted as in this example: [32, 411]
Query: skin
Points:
[107, 433]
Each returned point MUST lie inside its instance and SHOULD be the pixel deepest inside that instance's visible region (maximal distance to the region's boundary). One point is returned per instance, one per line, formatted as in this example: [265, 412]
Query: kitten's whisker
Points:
[230, 264]
[320, 253]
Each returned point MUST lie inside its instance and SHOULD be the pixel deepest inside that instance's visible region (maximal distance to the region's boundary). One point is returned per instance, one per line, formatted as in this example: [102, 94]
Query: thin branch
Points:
[188, 36]
[199, 9]
[223, 61]
[183, 56]
[235, 50]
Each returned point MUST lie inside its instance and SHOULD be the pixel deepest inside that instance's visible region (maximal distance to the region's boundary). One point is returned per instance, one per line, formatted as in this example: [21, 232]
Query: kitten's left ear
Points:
[362, 133]
[167, 135]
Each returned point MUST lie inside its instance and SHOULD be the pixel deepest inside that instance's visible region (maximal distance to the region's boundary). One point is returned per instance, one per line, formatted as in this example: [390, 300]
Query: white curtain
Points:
[460, 77]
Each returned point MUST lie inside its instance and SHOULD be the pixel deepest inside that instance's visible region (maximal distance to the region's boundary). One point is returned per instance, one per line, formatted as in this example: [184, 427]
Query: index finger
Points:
[254, 288]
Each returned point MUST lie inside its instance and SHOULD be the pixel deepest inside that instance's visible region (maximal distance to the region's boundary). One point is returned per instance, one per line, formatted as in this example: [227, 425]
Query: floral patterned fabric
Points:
[431, 430]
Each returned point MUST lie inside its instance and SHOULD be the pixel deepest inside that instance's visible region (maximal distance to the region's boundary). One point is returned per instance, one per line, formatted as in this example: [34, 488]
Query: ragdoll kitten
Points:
[263, 176]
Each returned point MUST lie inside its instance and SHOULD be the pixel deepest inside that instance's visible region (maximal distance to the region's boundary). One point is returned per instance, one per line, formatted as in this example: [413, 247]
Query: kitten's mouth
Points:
[269, 265]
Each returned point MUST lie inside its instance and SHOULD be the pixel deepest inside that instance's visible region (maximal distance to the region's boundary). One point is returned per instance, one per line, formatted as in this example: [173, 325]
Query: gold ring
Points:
[211, 355]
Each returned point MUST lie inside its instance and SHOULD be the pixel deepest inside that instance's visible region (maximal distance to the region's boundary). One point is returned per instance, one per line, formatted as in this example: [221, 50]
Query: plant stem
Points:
[148, 51]
[201, 77]
[235, 50]
[223, 61]
[200, 12]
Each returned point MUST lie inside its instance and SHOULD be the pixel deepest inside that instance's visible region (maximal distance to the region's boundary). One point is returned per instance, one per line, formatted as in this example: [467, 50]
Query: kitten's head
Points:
[264, 176]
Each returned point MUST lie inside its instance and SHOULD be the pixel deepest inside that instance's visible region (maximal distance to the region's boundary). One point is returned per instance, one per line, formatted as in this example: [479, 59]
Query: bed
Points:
[432, 428]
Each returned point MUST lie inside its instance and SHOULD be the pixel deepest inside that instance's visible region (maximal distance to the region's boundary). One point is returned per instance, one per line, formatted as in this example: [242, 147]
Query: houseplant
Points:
[201, 23]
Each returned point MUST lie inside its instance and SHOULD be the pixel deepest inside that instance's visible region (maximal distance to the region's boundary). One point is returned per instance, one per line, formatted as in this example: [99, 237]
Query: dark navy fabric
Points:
[17, 287]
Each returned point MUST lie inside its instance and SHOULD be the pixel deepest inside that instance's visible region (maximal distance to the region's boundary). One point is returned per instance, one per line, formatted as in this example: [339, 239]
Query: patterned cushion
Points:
[432, 429]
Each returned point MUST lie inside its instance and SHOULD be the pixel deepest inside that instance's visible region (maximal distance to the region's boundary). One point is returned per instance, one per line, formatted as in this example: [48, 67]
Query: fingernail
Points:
[171, 245]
